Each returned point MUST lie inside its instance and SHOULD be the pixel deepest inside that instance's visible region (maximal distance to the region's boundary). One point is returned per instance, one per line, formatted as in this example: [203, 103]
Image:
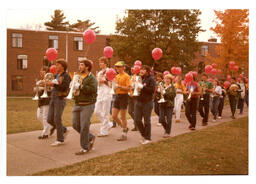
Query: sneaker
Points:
[142, 140]
[92, 143]
[122, 138]
[146, 142]
[134, 129]
[219, 117]
[43, 137]
[57, 143]
[166, 135]
[81, 152]
[159, 124]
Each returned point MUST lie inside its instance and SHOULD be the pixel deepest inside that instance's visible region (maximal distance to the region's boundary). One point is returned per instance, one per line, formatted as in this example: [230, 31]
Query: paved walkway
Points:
[27, 155]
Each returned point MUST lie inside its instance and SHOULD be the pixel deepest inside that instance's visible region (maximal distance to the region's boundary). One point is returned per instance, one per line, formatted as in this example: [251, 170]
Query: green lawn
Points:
[222, 149]
[21, 115]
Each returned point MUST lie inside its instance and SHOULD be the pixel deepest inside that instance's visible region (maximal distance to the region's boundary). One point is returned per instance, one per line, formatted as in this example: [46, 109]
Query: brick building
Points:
[26, 53]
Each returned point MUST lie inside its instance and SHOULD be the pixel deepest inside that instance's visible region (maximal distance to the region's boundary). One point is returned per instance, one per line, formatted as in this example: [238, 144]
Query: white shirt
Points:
[218, 90]
[104, 91]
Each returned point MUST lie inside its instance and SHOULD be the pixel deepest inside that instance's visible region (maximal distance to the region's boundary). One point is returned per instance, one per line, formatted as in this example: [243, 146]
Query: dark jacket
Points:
[88, 91]
[148, 90]
[169, 96]
[62, 88]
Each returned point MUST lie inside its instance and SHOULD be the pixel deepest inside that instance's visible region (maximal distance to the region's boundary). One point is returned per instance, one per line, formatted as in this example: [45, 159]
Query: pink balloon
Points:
[138, 62]
[89, 36]
[136, 69]
[226, 84]
[108, 52]
[241, 76]
[210, 80]
[214, 65]
[231, 64]
[189, 77]
[157, 53]
[178, 70]
[219, 71]
[166, 73]
[236, 68]
[51, 54]
[208, 68]
[110, 74]
[53, 69]
[246, 80]
[195, 74]
[173, 70]
[214, 71]
[228, 77]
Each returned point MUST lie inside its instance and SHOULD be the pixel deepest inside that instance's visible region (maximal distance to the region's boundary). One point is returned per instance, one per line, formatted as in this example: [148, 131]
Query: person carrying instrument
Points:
[178, 101]
[216, 99]
[57, 104]
[84, 106]
[233, 95]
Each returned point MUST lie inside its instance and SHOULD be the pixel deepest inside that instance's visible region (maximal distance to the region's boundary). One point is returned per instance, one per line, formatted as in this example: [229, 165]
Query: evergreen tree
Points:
[57, 23]
[81, 26]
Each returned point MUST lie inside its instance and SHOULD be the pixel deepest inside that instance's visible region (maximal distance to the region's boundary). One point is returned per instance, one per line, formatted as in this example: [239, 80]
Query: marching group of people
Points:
[138, 93]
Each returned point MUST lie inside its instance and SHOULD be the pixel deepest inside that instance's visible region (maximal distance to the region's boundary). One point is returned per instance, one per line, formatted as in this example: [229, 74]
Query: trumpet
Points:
[47, 77]
[36, 97]
[190, 93]
[162, 92]
[138, 80]
[77, 79]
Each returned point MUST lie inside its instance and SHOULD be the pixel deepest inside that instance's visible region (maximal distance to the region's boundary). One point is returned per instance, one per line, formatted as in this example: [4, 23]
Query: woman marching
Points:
[166, 107]
[178, 101]
[216, 99]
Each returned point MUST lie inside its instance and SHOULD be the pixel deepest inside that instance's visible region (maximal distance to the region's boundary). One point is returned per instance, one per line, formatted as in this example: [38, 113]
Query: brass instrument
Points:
[137, 81]
[77, 78]
[47, 77]
[162, 92]
[191, 90]
[36, 89]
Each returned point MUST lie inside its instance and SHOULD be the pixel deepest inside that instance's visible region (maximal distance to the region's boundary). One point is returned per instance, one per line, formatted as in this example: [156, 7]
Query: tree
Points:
[57, 23]
[81, 26]
[174, 31]
[232, 26]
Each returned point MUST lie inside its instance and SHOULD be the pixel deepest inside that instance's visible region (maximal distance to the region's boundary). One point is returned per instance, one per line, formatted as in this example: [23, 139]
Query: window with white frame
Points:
[204, 50]
[22, 62]
[78, 43]
[53, 42]
[16, 40]
[17, 83]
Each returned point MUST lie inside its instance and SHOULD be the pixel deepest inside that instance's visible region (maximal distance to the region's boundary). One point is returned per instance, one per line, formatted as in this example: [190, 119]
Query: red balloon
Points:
[53, 69]
[157, 53]
[226, 84]
[178, 70]
[166, 73]
[236, 68]
[51, 54]
[208, 68]
[138, 62]
[219, 71]
[214, 71]
[241, 76]
[231, 64]
[189, 77]
[195, 74]
[89, 36]
[210, 80]
[110, 74]
[214, 65]
[173, 70]
[108, 52]
[246, 80]
[136, 69]
[228, 77]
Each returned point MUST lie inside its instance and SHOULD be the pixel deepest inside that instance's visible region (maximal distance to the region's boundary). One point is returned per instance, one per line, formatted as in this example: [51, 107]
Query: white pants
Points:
[177, 105]
[42, 113]
[102, 110]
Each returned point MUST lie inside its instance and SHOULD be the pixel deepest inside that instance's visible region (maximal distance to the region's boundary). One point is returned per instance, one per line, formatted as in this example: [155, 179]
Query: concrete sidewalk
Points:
[26, 154]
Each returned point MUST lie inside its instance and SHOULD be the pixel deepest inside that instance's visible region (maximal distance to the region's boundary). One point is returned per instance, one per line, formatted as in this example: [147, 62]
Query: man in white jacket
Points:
[102, 107]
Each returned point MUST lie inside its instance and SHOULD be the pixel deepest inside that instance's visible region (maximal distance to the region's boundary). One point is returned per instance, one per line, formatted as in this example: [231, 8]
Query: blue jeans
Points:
[215, 105]
[165, 117]
[81, 116]
[143, 110]
[56, 107]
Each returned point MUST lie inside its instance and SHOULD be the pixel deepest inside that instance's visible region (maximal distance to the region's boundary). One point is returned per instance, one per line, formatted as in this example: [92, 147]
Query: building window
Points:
[22, 62]
[204, 50]
[79, 59]
[53, 42]
[16, 40]
[78, 43]
[17, 83]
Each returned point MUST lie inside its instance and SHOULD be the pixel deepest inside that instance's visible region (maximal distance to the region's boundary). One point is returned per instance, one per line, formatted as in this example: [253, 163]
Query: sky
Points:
[104, 18]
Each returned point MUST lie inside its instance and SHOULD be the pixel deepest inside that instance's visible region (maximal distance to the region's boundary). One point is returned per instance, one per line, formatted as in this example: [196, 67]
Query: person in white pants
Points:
[180, 89]
[43, 106]
[104, 97]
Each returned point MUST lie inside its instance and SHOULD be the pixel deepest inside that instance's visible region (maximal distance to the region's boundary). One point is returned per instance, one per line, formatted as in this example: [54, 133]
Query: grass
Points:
[222, 149]
[21, 115]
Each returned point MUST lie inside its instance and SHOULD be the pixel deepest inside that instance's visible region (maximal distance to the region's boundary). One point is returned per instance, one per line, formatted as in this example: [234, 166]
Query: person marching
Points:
[216, 99]
[166, 108]
[103, 103]
[233, 95]
[43, 106]
[157, 95]
[57, 103]
[144, 104]
[84, 106]
[222, 100]
[122, 86]
[241, 99]
[204, 103]
[178, 101]
[194, 90]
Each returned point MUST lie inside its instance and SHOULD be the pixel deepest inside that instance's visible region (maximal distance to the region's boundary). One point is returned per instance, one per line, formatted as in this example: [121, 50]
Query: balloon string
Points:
[86, 52]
